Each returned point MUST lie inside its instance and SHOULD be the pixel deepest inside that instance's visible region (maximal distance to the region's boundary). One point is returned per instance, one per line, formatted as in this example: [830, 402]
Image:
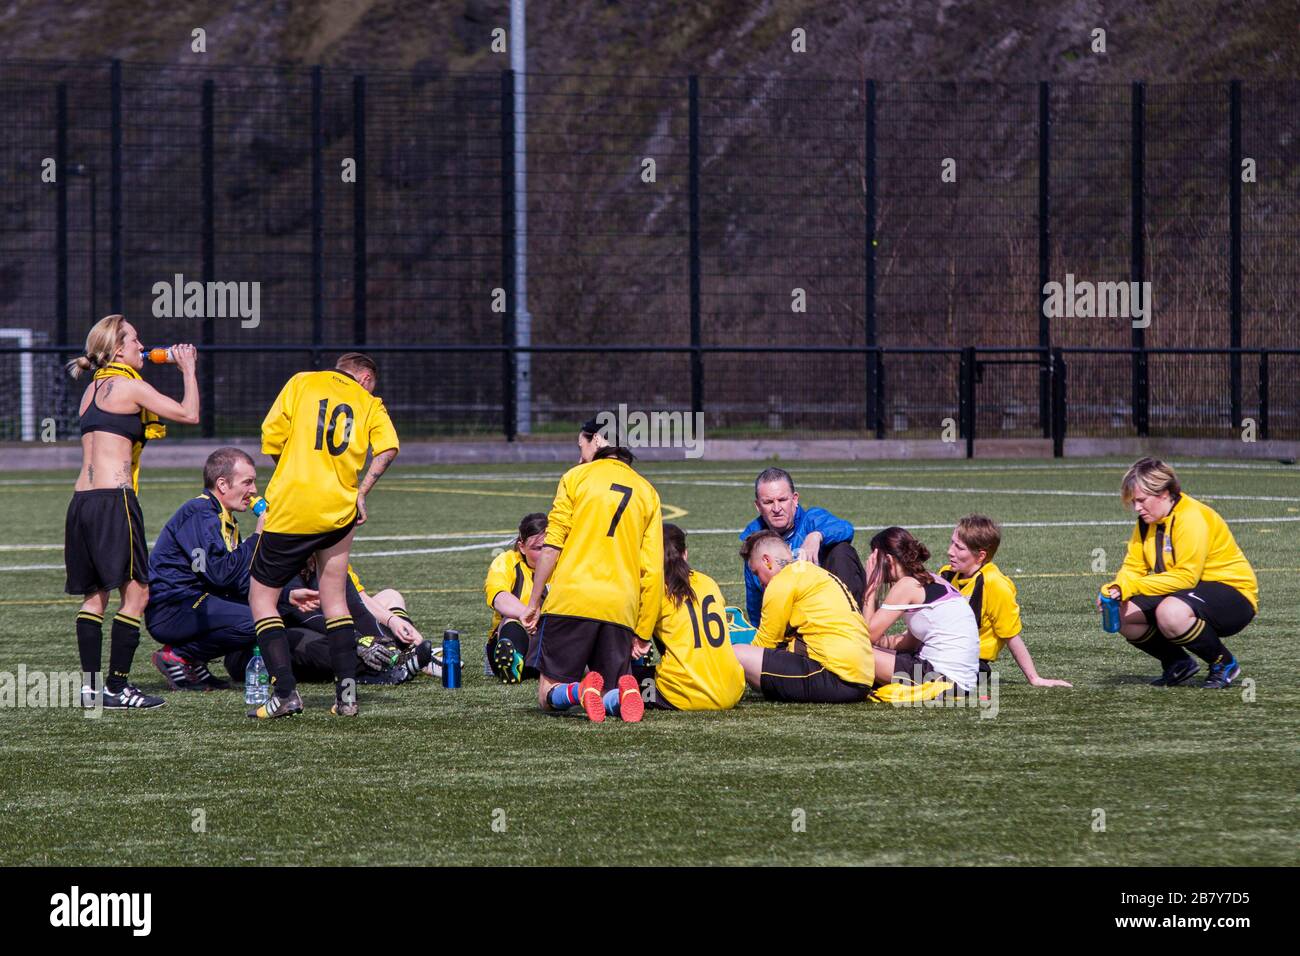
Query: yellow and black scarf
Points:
[153, 426]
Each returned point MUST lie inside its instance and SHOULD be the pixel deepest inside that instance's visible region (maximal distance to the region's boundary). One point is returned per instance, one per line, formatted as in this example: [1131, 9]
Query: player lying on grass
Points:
[508, 586]
[604, 544]
[942, 641]
[812, 645]
[389, 648]
[319, 431]
[1184, 583]
[991, 595]
[198, 577]
[104, 539]
[816, 534]
[697, 669]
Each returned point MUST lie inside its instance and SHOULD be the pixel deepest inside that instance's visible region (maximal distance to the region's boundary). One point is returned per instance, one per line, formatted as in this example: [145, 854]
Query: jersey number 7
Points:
[626, 492]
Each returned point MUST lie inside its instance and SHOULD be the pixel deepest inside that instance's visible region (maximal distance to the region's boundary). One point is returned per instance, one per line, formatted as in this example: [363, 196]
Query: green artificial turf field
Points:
[1183, 776]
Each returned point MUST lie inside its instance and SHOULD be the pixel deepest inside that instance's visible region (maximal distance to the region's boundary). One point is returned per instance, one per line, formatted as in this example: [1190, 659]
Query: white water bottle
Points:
[257, 682]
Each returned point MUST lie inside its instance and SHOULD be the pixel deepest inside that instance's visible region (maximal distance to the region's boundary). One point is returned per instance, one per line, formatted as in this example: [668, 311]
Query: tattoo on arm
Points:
[378, 465]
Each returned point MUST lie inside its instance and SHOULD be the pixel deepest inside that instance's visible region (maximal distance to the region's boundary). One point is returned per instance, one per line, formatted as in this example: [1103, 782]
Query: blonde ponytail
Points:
[105, 338]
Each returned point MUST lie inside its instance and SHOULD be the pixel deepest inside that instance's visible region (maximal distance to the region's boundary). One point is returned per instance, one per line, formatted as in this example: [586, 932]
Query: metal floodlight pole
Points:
[523, 319]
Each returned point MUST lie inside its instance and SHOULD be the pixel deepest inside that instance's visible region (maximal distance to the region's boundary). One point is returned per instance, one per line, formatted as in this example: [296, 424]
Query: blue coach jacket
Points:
[200, 525]
[833, 530]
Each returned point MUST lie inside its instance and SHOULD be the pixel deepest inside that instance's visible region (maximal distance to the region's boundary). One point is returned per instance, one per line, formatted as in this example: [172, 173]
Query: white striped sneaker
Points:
[130, 698]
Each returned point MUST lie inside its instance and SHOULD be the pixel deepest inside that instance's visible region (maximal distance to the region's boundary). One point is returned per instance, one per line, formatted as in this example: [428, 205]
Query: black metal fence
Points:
[780, 254]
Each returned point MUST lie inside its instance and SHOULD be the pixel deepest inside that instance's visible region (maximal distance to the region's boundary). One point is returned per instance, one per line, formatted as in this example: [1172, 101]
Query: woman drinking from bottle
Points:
[104, 541]
[1184, 584]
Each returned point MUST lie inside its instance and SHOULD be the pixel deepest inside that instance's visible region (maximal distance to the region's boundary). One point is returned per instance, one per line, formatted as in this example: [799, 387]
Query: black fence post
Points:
[317, 214]
[207, 374]
[359, 210]
[1044, 256]
[508, 242]
[117, 235]
[879, 366]
[697, 357]
[1263, 396]
[966, 409]
[875, 385]
[1141, 387]
[1234, 246]
[1058, 403]
[61, 214]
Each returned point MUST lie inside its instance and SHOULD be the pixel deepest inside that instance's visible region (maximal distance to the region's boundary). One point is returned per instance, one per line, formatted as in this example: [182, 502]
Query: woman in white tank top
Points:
[942, 636]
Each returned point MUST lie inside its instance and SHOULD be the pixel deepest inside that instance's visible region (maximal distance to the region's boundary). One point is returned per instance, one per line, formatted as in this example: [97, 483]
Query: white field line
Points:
[875, 465]
[1052, 492]
[499, 542]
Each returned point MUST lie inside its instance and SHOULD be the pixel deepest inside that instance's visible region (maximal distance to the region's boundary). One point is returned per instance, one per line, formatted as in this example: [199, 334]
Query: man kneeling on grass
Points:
[812, 644]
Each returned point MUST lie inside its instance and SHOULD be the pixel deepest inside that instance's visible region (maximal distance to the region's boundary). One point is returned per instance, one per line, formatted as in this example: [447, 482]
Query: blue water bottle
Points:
[258, 505]
[1109, 614]
[451, 659]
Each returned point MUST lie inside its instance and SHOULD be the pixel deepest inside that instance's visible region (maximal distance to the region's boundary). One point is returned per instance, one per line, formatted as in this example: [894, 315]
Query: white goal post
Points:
[27, 397]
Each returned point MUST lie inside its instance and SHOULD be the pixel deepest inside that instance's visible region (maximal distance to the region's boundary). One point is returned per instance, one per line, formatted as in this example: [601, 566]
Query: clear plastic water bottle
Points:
[257, 681]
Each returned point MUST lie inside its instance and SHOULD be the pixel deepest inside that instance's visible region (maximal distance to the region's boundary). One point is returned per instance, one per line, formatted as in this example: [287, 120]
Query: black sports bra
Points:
[126, 424]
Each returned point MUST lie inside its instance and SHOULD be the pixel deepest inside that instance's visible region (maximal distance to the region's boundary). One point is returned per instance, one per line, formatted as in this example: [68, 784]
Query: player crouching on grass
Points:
[942, 640]
[991, 595]
[812, 644]
[319, 431]
[198, 577]
[1184, 584]
[697, 669]
[604, 543]
[508, 586]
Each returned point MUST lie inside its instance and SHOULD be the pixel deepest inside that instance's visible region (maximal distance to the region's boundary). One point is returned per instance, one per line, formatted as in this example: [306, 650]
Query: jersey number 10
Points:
[325, 434]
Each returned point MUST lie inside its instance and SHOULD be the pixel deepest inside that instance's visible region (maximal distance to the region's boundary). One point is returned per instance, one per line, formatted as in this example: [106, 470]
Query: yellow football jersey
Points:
[356, 581]
[808, 602]
[1190, 545]
[697, 669]
[992, 596]
[321, 425]
[607, 522]
[509, 573]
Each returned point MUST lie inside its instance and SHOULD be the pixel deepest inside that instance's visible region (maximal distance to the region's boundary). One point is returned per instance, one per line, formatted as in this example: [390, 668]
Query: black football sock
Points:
[90, 645]
[342, 634]
[123, 639]
[275, 651]
[1158, 646]
[1203, 641]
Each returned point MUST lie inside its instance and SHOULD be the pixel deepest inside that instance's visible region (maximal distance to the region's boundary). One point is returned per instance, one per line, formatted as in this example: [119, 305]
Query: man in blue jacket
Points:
[198, 576]
[816, 534]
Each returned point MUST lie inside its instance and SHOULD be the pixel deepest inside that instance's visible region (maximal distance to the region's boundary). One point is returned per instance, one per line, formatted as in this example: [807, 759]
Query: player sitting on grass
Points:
[942, 641]
[697, 669]
[819, 536]
[605, 545]
[991, 595]
[1185, 583]
[508, 587]
[812, 644]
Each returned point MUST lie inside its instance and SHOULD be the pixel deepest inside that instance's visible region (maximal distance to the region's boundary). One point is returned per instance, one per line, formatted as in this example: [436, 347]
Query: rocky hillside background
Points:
[781, 174]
